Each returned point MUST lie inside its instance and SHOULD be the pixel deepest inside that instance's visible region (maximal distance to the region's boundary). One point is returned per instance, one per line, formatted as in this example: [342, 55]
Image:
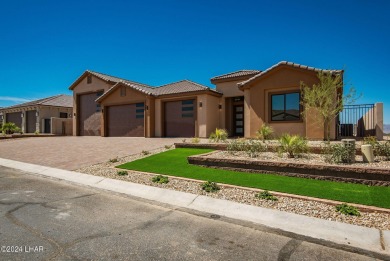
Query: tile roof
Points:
[181, 87]
[58, 101]
[136, 85]
[241, 84]
[236, 74]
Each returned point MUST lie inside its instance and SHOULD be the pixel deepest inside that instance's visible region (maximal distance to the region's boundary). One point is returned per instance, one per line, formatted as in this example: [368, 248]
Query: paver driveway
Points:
[71, 153]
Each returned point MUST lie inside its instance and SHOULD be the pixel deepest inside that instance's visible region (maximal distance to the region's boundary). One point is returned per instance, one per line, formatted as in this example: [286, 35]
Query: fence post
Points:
[378, 120]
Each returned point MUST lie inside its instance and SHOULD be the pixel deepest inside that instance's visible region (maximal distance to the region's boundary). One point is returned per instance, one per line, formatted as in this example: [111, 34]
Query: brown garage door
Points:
[89, 115]
[31, 120]
[180, 118]
[126, 120]
[14, 117]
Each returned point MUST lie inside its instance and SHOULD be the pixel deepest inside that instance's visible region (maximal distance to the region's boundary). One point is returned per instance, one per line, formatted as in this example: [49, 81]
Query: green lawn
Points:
[174, 163]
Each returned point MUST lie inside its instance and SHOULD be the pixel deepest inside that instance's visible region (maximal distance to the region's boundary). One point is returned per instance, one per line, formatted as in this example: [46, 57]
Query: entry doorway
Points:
[47, 126]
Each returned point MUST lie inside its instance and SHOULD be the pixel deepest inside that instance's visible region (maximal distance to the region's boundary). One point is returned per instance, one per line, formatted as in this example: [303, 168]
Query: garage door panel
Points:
[31, 120]
[89, 115]
[14, 117]
[180, 118]
[126, 120]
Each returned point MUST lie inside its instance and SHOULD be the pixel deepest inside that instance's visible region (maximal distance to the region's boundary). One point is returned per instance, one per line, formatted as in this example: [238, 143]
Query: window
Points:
[123, 91]
[139, 110]
[98, 106]
[63, 115]
[285, 107]
[187, 115]
[187, 108]
[89, 79]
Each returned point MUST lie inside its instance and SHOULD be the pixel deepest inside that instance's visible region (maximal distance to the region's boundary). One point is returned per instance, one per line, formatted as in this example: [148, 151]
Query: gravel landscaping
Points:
[304, 158]
[246, 196]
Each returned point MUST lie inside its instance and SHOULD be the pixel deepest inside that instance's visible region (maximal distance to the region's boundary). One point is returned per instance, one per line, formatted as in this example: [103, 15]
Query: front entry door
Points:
[47, 125]
[238, 120]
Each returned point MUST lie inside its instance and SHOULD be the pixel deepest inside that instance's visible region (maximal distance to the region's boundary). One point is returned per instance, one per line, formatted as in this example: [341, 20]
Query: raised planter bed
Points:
[363, 175]
[18, 136]
[223, 146]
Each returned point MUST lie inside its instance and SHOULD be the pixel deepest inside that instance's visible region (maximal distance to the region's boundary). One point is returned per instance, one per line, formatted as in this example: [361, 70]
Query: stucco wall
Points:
[213, 114]
[61, 126]
[229, 88]
[282, 79]
[84, 87]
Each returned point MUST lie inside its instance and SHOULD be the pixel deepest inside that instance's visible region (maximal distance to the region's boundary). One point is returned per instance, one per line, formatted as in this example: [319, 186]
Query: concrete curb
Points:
[351, 236]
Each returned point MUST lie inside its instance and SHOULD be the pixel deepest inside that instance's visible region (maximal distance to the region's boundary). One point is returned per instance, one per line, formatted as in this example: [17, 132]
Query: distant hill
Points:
[386, 128]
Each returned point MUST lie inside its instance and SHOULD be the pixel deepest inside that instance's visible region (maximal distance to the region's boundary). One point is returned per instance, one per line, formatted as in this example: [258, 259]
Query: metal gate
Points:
[356, 121]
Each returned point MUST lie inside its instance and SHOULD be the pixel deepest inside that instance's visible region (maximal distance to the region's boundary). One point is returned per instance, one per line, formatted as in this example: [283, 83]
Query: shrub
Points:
[218, 135]
[347, 210]
[160, 179]
[195, 140]
[338, 153]
[184, 140]
[10, 128]
[145, 152]
[168, 147]
[210, 186]
[253, 148]
[236, 145]
[266, 195]
[36, 132]
[122, 173]
[383, 149]
[265, 132]
[293, 145]
[114, 160]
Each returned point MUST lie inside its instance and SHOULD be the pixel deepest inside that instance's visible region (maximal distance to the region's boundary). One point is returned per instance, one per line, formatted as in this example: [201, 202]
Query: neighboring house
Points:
[242, 101]
[37, 115]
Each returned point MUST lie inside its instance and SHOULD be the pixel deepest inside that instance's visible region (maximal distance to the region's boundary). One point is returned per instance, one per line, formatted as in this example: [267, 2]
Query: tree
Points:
[326, 98]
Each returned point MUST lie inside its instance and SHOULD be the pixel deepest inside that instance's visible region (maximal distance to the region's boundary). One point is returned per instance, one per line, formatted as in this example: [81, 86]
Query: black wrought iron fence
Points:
[356, 121]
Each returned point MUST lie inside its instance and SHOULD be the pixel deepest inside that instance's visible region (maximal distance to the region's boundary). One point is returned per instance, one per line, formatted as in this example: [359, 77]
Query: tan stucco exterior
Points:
[42, 113]
[83, 87]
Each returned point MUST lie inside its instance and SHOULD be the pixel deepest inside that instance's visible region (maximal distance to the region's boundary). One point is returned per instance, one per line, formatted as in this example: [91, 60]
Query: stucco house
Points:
[241, 102]
[38, 115]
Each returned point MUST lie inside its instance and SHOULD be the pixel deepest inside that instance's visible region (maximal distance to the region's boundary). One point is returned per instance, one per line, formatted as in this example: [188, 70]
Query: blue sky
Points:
[46, 45]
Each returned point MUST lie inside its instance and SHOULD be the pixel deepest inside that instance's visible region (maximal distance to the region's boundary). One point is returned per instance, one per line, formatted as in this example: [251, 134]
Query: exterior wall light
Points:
[22, 115]
[37, 113]
[147, 107]
[220, 106]
[200, 104]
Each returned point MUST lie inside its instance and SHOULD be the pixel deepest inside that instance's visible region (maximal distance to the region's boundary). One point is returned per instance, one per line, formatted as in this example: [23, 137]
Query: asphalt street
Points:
[46, 219]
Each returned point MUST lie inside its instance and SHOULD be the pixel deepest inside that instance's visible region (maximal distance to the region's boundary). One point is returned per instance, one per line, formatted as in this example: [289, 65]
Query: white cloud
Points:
[14, 99]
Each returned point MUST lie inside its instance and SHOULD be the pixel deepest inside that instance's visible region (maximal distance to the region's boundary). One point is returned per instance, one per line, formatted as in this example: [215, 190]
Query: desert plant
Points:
[383, 150]
[218, 135]
[326, 99]
[236, 145]
[160, 179]
[347, 210]
[338, 153]
[210, 186]
[253, 148]
[265, 132]
[168, 147]
[293, 145]
[122, 173]
[113, 160]
[184, 140]
[145, 152]
[10, 128]
[266, 195]
[195, 140]
[36, 132]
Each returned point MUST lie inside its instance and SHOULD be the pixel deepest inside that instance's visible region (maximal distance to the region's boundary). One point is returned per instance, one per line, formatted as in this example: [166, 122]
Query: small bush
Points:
[183, 140]
[168, 147]
[160, 179]
[195, 140]
[338, 153]
[347, 210]
[145, 152]
[10, 128]
[293, 145]
[36, 132]
[218, 135]
[122, 173]
[210, 186]
[266, 195]
[383, 150]
[114, 160]
[253, 148]
[236, 145]
[265, 132]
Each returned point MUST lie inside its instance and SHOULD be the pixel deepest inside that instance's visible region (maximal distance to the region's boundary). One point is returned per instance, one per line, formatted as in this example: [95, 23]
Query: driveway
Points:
[48, 219]
[71, 153]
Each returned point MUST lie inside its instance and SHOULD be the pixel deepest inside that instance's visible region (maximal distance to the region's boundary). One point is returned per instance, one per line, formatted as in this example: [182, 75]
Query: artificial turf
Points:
[174, 163]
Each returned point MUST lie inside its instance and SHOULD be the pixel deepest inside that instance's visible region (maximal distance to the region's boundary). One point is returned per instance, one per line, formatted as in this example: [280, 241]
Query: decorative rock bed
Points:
[318, 208]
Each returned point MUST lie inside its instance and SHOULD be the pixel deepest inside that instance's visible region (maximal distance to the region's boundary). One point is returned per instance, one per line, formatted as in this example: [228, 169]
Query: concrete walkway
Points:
[355, 238]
